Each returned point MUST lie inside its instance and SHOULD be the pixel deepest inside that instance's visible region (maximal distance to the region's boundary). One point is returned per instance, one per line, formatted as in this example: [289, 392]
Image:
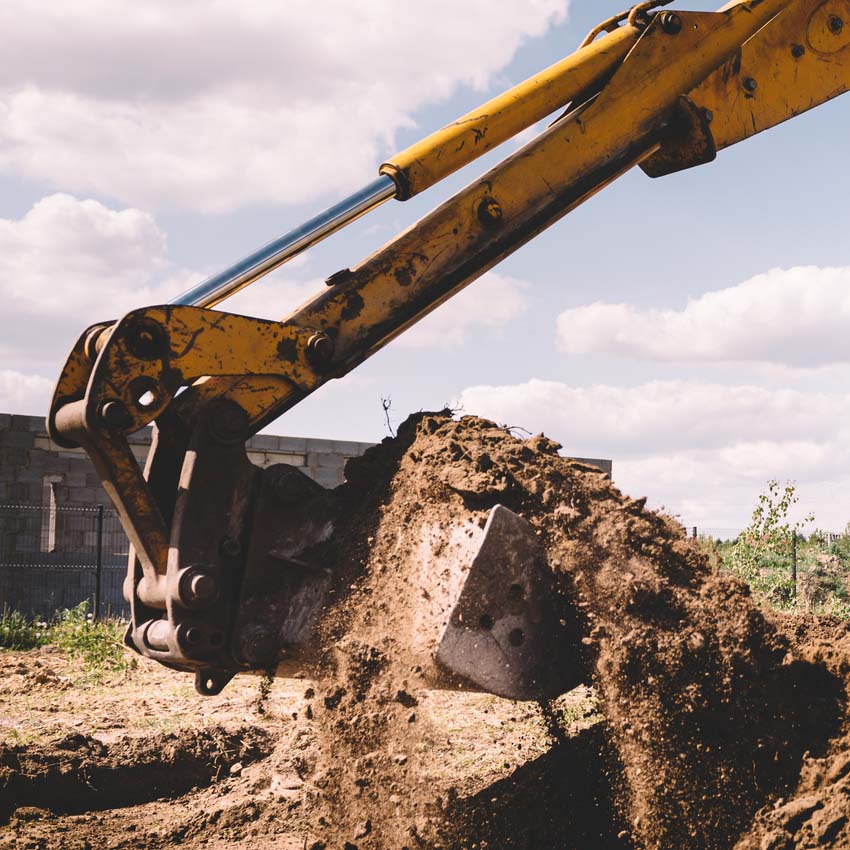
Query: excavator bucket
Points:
[501, 635]
[484, 615]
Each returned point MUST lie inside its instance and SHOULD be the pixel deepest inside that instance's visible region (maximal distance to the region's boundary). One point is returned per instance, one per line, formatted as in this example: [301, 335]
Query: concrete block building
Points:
[35, 470]
[59, 535]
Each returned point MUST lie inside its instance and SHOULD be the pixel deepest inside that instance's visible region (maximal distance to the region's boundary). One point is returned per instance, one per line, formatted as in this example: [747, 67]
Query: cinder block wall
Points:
[31, 464]
[47, 550]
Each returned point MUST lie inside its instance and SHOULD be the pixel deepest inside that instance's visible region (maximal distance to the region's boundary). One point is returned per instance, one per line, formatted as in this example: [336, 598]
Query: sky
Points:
[693, 328]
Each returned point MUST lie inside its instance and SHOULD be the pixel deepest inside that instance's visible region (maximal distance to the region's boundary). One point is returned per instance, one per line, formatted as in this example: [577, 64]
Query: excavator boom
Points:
[664, 90]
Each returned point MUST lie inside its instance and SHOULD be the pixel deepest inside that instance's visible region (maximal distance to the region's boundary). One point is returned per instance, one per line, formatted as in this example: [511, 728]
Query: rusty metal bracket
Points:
[688, 142]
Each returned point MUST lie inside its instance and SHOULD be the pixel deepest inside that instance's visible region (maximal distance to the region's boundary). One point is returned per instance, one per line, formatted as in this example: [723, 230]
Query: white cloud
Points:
[489, 302]
[20, 393]
[213, 105]
[794, 317]
[67, 264]
[701, 449]
[663, 415]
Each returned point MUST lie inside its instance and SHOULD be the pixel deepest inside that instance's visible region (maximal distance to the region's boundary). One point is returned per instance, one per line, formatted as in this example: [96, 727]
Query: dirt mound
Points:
[816, 813]
[16, 676]
[79, 773]
[709, 710]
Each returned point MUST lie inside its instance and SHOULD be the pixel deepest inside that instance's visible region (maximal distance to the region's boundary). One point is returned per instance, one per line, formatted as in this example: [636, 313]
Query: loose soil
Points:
[724, 727]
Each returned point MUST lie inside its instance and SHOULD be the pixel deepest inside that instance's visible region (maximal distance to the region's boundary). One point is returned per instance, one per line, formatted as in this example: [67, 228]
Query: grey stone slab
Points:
[350, 448]
[76, 478]
[333, 461]
[37, 424]
[12, 456]
[296, 445]
[268, 458]
[261, 442]
[29, 474]
[328, 477]
[320, 446]
[13, 437]
[53, 464]
[19, 491]
[142, 437]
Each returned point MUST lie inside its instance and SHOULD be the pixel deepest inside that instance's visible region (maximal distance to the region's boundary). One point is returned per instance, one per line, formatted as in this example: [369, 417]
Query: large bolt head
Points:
[197, 588]
[258, 646]
[670, 22]
[115, 414]
[146, 340]
[489, 212]
[202, 588]
[228, 423]
[320, 349]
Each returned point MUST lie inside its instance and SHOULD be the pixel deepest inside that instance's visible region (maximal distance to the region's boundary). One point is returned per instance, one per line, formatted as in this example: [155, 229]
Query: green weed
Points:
[98, 645]
[18, 632]
[763, 556]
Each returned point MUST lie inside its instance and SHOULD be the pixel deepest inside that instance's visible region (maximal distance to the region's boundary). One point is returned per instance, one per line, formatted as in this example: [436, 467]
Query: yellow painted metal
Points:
[454, 244]
[459, 143]
[241, 358]
[194, 344]
[798, 61]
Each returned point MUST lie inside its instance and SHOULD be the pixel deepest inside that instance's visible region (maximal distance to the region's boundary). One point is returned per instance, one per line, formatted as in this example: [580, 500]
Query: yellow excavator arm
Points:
[661, 89]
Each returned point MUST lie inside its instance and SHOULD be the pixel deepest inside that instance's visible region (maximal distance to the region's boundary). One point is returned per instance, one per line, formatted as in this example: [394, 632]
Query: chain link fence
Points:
[54, 557]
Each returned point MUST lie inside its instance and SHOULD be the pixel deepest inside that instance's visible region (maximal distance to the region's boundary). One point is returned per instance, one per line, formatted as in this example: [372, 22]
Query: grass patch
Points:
[98, 646]
[764, 555]
[17, 632]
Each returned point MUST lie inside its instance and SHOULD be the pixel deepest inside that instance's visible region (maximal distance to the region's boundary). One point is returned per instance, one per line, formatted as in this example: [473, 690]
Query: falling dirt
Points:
[723, 727]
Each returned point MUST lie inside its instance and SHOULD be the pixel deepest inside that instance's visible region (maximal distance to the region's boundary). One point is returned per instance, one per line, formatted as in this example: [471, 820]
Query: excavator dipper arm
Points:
[662, 89]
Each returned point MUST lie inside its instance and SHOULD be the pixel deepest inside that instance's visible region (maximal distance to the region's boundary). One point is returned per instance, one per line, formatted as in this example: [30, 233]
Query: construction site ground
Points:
[141, 760]
[712, 723]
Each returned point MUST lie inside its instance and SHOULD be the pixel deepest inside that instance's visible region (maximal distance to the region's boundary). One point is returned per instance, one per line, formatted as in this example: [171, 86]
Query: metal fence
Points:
[54, 557]
[716, 533]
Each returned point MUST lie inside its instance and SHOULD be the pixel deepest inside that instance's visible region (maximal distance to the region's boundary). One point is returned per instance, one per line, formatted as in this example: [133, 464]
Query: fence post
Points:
[694, 532]
[794, 561]
[98, 566]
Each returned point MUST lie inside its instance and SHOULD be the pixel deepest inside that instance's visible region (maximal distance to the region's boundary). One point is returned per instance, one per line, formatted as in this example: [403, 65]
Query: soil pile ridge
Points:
[79, 773]
[709, 711]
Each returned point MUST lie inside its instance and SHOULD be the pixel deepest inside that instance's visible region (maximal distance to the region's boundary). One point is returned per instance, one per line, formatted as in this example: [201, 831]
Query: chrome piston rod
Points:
[220, 286]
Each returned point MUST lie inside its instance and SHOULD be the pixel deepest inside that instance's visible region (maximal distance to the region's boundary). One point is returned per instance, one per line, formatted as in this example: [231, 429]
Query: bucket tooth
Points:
[504, 634]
